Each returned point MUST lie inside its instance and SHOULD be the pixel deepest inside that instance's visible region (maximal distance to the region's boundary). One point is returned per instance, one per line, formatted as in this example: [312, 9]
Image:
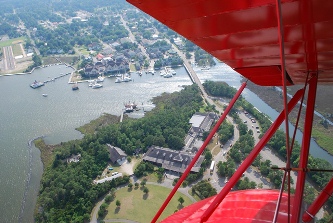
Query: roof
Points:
[246, 206]
[172, 159]
[245, 35]
[115, 153]
[196, 120]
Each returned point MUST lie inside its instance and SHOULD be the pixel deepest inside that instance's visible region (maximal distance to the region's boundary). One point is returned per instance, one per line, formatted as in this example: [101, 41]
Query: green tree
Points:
[181, 200]
[146, 190]
[108, 198]
[118, 203]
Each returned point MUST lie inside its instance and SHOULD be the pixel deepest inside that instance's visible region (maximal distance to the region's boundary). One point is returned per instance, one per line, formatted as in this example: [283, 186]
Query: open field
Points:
[139, 207]
[12, 41]
[17, 50]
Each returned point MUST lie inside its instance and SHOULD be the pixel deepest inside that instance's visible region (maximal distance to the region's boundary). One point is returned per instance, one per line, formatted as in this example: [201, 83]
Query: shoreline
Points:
[271, 96]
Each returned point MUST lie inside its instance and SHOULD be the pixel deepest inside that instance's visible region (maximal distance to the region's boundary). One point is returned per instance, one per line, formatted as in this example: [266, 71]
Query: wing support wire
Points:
[202, 148]
[284, 84]
[251, 157]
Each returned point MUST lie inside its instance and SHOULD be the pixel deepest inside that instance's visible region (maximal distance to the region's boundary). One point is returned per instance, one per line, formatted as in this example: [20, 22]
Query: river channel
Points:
[26, 114]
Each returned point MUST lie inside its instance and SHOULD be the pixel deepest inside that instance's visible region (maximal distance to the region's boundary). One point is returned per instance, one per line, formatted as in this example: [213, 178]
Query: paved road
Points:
[9, 61]
[132, 38]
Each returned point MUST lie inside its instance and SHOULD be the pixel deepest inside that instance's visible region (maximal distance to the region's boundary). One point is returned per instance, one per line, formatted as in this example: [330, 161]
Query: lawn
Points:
[12, 41]
[17, 50]
[137, 206]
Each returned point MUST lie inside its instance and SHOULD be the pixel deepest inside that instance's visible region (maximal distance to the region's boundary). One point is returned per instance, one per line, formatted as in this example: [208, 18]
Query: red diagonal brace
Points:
[195, 158]
[251, 157]
[318, 203]
[304, 149]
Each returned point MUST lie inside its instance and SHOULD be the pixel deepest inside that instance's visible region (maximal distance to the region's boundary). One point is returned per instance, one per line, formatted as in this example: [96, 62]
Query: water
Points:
[26, 114]
[222, 72]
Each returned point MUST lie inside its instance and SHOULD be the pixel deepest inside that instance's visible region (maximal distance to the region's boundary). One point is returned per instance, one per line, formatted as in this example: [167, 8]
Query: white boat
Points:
[172, 71]
[100, 79]
[151, 71]
[45, 95]
[205, 68]
[168, 75]
[118, 80]
[162, 73]
[96, 85]
[126, 78]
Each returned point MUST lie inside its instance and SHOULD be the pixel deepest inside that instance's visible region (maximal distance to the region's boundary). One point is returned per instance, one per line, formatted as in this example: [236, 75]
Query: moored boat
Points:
[36, 84]
[100, 79]
[118, 80]
[75, 87]
[96, 85]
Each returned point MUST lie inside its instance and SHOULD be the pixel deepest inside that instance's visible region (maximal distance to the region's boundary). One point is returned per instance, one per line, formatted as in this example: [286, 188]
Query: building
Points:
[201, 122]
[116, 154]
[74, 158]
[173, 160]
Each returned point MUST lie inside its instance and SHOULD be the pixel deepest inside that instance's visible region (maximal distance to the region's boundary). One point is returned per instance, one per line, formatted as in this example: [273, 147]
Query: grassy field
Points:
[83, 51]
[12, 41]
[137, 206]
[17, 50]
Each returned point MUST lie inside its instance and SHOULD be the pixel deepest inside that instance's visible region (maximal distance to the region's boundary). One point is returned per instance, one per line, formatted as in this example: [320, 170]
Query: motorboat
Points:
[100, 79]
[96, 85]
[168, 75]
[127, 78]
[172, 71]
[118, 80]
[75, 87]
[44, 95]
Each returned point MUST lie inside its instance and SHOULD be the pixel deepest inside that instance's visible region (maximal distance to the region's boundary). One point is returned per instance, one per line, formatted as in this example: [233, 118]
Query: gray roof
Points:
[196, 120]
[115, 153]
[172, 160]
[202, 120]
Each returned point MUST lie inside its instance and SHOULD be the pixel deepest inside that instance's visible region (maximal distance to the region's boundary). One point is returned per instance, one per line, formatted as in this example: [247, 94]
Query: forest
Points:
[67, 193]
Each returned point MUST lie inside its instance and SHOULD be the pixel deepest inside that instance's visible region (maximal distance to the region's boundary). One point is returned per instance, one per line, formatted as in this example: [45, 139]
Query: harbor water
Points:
[26, 114]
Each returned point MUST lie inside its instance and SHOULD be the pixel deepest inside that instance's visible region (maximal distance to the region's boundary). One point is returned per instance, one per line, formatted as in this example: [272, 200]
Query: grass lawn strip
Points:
[137, 206]
[12, 41]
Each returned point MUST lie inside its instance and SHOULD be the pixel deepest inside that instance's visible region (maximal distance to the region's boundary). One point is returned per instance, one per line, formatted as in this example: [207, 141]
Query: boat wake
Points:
[27, 182]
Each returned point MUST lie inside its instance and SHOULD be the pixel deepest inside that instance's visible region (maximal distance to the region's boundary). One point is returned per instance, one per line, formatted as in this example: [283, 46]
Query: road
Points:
[132, 38]
[9, 61]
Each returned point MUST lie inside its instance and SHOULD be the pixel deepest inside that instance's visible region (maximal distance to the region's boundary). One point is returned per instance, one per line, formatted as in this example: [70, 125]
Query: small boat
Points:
[168, 75]
[126, 79]
[151, 71]
[172, 71]
[118, 80]
[100, 79]
[96, 85]
[36, 84]
[205, 68]
[45, 95]
[75, 87]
